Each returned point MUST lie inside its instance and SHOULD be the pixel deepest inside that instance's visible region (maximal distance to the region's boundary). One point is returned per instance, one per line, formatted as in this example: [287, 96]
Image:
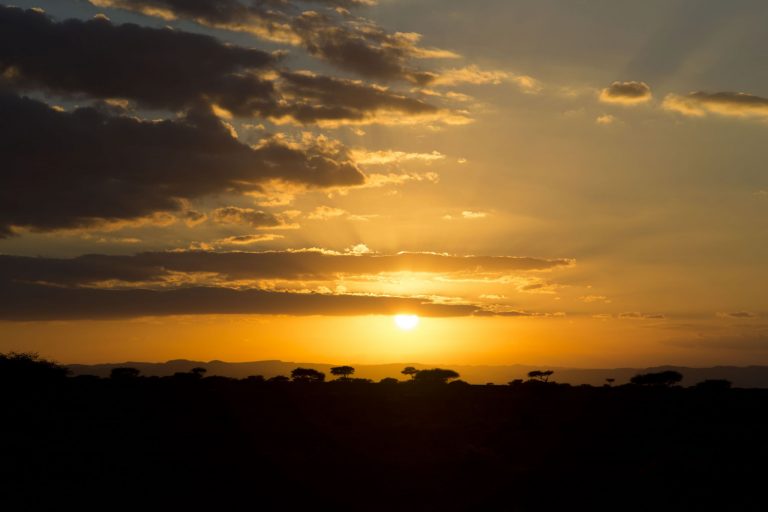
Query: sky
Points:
[554, 182]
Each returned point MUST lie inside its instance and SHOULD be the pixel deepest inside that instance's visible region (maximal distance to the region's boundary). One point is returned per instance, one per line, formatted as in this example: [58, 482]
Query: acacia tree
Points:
[435, 376]
[343, 372]
[307, 375]
[410, 371]
[540, 375]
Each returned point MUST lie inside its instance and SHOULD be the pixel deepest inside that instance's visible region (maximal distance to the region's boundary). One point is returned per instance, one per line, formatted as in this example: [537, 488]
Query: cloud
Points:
[158, 68]
[247, 239]
[364, 157]
[737, 314]
[158, 267]
[626, 93]
[605, 119]
[474, 75]
[595, 298]
[635, 315]
[75, 169]
[34, 302]
[176, 70]
[331, 101]
[751, 341]
[333, 35]
[733, 104]
[250, 217]
[326, 212]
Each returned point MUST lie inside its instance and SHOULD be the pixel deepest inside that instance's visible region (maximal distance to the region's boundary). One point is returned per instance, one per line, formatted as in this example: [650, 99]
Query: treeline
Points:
[28, 365]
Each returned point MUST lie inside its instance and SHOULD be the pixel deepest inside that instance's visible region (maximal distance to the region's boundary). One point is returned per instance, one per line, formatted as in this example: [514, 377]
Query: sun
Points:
[406, 322]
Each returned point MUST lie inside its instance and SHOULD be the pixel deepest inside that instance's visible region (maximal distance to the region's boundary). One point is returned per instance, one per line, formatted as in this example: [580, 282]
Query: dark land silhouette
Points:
[417, 440]
[744, 376]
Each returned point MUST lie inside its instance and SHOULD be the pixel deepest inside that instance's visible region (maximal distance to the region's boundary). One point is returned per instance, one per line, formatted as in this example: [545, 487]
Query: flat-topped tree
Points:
[410, 371]
[435, 376]
[307, 375]
[343, 372]
[540, 375]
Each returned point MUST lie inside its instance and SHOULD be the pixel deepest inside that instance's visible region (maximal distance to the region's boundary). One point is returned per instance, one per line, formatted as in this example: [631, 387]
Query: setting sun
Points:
[406, 322]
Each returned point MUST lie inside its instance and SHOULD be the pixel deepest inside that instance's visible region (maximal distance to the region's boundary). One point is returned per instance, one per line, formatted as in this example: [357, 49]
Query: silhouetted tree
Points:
[714, 385]
[389, 381]
[254, 378]
[307, 375]
[515, 382]
[609, 381]
[410, 371]
[665, 378]
[29, 365]
[193, 374]
[540, 375]
[435, 376]
[278, 379]
[343, 372]
[198, 372]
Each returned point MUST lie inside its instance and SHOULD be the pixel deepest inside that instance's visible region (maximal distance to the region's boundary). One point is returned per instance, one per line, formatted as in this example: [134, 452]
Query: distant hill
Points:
[748, 376]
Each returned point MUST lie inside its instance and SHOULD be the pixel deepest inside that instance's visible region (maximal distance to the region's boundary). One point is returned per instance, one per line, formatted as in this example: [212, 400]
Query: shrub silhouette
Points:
[29, 365]
[307, 375]
[663, 379]
[343, 372]
[389, 381]
[435, 376]
[124, 373]
[410, 371]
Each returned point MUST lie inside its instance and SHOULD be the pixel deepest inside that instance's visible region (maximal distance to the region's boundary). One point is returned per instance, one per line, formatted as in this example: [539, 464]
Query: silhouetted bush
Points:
[665, 378]
[29, 366]
[389, 381]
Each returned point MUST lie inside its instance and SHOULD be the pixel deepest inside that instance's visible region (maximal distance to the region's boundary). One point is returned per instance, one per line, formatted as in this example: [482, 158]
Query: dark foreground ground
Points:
[223, 444]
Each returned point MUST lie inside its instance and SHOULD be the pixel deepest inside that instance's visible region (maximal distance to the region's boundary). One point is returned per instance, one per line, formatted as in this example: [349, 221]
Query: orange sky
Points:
[542, 182]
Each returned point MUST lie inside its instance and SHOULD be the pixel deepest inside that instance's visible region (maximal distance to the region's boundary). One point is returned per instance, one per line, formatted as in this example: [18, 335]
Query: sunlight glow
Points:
[406, 322]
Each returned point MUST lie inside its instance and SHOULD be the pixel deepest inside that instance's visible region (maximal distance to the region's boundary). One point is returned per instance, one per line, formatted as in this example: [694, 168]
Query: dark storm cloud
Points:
[334, 35]
[158, 68]
[175, 70]
[157, 266]
[72, 169]
[31, 302]
[627, 93]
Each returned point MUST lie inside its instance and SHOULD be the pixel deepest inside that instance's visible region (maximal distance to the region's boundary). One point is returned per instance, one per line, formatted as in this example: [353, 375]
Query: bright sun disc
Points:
[406, 322]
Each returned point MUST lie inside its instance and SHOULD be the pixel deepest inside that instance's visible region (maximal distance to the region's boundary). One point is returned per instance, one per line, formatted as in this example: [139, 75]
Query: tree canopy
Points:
[435, 375]
[342, 371]
[307, 375]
